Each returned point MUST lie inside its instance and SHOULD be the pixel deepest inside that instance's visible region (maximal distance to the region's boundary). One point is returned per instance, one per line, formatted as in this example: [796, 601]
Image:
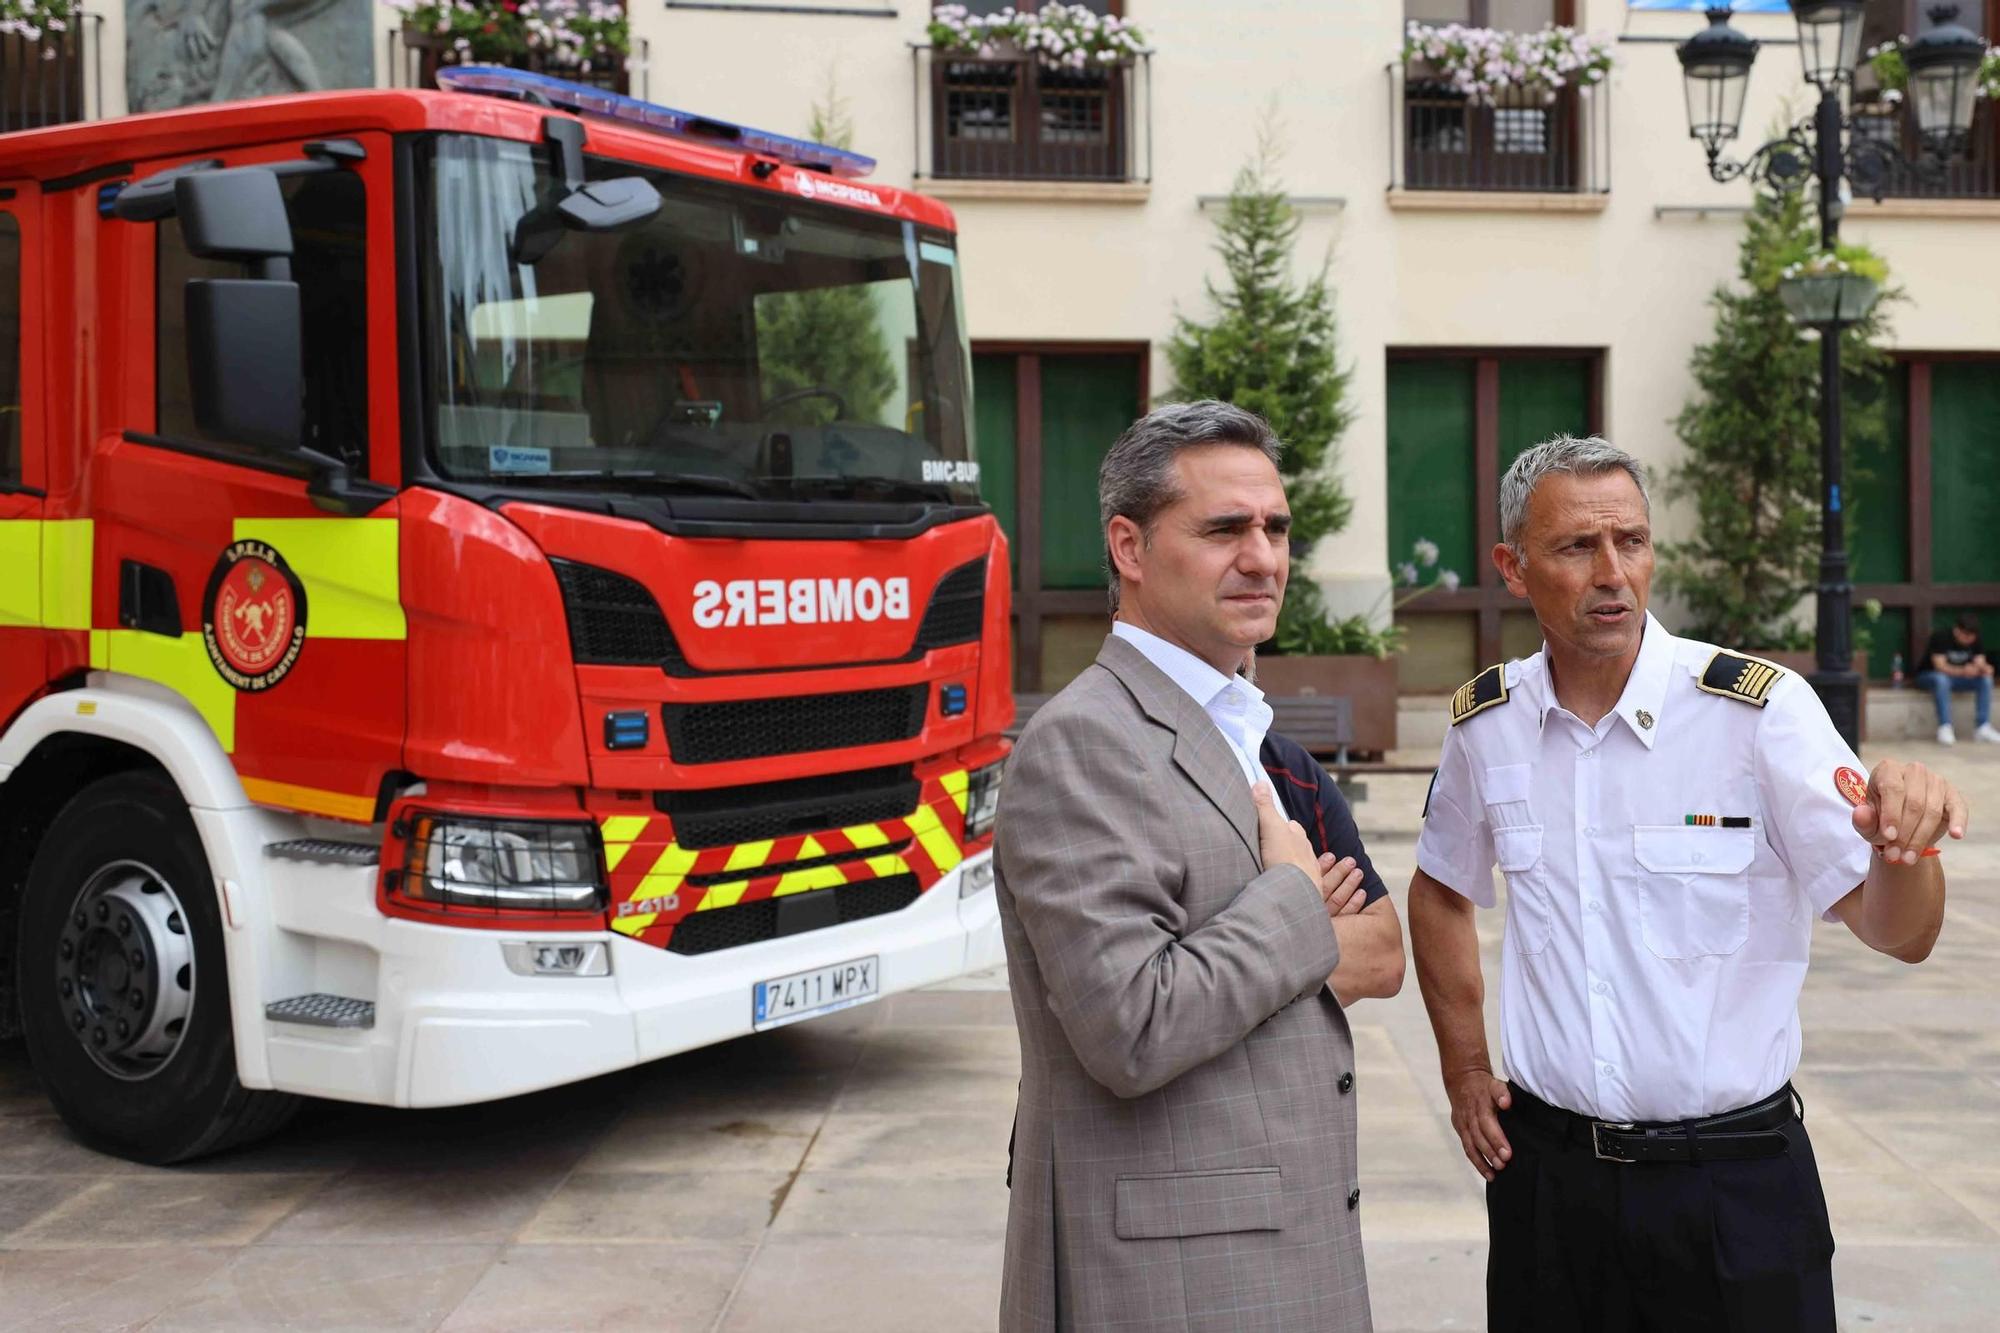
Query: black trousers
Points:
[1579, 1245]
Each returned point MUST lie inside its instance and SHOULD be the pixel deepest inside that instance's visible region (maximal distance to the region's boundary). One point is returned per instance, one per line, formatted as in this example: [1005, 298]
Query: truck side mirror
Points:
[246, 363]
[238, 214]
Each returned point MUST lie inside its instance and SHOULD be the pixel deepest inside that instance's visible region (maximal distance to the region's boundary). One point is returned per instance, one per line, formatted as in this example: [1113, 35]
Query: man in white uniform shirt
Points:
[1671, 819]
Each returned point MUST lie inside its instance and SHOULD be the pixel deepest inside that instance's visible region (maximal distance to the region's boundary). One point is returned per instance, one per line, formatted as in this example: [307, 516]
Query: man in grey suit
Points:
[1184, 1154]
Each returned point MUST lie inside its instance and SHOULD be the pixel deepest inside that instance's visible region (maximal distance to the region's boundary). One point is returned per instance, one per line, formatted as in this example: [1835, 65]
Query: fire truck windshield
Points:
[738, 342]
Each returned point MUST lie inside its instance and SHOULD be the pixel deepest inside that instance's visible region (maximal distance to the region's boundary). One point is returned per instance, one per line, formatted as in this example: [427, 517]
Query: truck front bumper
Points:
[454, 1025]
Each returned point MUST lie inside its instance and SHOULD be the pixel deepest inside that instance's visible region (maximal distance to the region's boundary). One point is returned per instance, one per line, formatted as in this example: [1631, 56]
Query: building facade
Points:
[1502, 273]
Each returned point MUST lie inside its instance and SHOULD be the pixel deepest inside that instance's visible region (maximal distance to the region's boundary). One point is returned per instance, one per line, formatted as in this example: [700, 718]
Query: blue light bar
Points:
[652, 116]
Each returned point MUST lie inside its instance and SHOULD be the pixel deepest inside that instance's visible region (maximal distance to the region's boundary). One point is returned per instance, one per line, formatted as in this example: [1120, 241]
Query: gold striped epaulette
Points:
[1480, 693]
[1734, 676]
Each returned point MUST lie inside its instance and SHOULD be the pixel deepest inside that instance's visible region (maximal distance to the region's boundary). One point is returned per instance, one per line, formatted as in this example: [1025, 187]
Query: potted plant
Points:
[1485, 65]
[586, 40]
[1061, 37]
[31, 20]
[1832, 286]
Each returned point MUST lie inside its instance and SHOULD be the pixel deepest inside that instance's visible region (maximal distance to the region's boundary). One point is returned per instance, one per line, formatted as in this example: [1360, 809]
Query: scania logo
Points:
[814, 186]
[799, 601]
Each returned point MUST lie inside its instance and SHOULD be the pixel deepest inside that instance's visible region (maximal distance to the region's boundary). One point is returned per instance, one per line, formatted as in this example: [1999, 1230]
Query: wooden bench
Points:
[1323, 724]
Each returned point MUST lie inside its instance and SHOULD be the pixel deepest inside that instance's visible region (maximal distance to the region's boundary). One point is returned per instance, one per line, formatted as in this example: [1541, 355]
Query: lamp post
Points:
[1943, 68]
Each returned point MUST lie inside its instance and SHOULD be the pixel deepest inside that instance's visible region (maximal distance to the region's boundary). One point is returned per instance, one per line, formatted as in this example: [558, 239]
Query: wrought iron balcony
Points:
[1013, 118]
[1971, 173]
[53, 81]
[1440, 139]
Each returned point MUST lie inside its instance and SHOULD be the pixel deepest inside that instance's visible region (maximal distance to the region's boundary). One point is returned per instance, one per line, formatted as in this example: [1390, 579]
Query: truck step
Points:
[327, 851]
[320, 1010]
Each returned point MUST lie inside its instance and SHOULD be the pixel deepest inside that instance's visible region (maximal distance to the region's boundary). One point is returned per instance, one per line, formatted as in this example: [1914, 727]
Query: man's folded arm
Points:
[1091, 857]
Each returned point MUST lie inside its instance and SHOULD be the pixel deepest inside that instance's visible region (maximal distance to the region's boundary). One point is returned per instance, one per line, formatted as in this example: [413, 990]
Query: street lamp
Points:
[1944, 77]
[1715, 64]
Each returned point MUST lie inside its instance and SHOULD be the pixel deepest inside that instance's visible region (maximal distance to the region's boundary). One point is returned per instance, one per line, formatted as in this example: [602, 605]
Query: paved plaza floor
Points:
[847, 1173]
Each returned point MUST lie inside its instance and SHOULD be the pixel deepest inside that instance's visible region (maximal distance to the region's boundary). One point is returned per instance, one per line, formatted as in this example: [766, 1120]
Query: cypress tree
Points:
[1751, 470]
[1272, 348]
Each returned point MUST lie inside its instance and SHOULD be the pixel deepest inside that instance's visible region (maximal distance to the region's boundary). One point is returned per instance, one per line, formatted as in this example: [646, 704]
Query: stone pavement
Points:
[846, 1174]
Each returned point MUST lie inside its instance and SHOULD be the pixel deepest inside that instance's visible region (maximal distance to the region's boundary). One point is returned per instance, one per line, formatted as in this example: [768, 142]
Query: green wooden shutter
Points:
[1431, 478]
[995, 425]
[1877, 492]
[1965, 472]
[1540, 398]
[1087, 402]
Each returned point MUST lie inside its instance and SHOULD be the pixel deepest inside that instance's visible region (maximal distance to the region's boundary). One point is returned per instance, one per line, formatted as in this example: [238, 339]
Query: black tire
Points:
[189, 1104]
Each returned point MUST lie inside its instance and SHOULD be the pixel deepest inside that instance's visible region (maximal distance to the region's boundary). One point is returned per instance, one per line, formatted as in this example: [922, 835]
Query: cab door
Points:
[278, 620]
[23, 655]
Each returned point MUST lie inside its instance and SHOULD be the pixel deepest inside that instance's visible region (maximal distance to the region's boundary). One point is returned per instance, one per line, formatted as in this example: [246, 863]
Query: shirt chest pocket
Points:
[1517, 850]
[1694, 888]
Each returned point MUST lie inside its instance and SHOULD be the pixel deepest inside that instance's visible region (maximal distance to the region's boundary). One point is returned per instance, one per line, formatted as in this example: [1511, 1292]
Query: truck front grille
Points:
[957, 610]
[753, 923]
[760, 728]
[613, 620]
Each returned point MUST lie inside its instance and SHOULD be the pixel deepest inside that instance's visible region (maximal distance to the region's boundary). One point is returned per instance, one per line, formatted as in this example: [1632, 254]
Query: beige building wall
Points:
[1115, 264]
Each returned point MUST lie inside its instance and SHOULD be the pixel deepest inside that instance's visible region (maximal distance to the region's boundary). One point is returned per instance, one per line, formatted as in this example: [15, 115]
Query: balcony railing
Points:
[981, 118]
[1439, 139]
[1972, 173]
[413, 59]
[54, 81]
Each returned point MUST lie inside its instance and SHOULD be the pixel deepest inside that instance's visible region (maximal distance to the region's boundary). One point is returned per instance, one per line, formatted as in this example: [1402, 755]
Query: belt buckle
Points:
[1597, 1127]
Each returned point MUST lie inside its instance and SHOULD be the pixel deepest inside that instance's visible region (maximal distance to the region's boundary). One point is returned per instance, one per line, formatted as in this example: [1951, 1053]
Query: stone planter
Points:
[1802, 663]
[1368, 683]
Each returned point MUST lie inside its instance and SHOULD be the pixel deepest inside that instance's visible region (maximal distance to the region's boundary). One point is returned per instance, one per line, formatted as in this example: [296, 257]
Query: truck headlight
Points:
[982, 801]
[458, 862]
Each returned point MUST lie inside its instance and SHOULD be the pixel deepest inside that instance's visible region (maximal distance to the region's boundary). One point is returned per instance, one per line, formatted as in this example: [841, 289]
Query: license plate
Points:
[784, 1000]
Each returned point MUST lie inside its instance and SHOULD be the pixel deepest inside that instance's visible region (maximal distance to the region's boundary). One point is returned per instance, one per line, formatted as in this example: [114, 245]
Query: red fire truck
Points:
[493, 590]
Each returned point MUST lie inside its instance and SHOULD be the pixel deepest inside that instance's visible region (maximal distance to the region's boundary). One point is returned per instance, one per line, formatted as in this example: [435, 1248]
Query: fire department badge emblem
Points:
[253, 616]
[1851, 785]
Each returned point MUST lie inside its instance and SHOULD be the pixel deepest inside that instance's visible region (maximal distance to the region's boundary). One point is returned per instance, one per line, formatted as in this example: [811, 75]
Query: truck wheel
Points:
[123, 984]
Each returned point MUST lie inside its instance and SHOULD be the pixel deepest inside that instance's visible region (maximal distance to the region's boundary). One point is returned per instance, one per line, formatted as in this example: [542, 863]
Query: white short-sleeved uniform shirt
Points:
[1664, 869]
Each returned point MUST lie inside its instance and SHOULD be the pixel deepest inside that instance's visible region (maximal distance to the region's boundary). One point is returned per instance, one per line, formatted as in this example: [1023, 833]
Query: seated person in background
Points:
[1307, 793]
[1954, 663]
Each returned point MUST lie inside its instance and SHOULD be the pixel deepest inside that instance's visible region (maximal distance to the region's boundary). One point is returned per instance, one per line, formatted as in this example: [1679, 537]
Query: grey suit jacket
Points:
[1184, 1149]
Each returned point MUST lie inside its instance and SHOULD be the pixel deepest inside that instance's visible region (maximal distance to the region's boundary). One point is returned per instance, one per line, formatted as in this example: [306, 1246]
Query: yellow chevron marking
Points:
[937, 844]
[749, 855]
[620, 831]
[723, 895]
[666, 875]
[885, 866]
[955, 784]
[810, 850]
[802, 881]
[865, 835]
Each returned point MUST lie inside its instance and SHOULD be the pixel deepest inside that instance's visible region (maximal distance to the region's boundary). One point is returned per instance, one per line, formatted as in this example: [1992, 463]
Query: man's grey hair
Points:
[1137, 480]
[1589, 456]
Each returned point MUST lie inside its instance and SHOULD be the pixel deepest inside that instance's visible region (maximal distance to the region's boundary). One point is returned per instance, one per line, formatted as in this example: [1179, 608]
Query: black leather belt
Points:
[1751, 1131]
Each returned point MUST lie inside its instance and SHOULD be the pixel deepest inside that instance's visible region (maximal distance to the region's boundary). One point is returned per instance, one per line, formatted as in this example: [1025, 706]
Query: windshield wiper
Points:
[691, 481]
[703, 482]
[873, 488]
